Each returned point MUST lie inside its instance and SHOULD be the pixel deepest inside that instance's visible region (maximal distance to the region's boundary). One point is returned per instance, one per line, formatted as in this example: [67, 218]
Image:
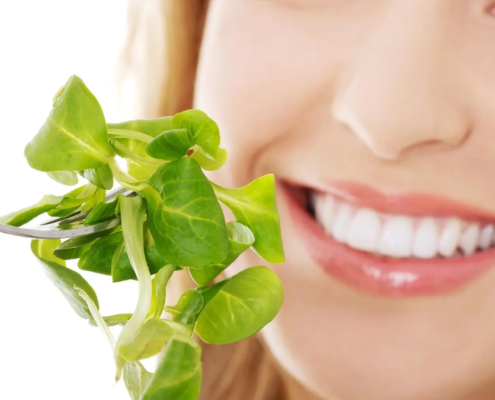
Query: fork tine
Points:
[40, 233]
[111, 196]
[55, 220]
[66, 227]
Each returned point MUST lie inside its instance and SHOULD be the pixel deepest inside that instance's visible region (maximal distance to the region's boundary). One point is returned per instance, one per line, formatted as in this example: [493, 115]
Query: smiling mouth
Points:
[398, 236]
[392, 245]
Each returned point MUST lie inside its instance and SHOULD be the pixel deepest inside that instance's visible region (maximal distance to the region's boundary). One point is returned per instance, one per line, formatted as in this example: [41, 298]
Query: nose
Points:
[402, 89]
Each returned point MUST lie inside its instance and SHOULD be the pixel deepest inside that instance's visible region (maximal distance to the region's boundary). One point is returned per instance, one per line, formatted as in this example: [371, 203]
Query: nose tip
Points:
[391, 123]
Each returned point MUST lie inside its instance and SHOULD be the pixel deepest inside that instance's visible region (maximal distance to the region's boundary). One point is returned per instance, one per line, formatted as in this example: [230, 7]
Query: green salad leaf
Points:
[136, 379]
[187, 308]
[187, 222]
[254, 205]
[179, 373]
[74, 137]
[136, 135]
[65, 279]
[240, 239]
[97, 198]
[240, 306]
[25, 215]
[99, 257]
[44, 249]
[73, 200]
[114, 320]
[210, 164]
[203, 129]
[160, 290]
[74, 248]
[101, 177]
[108, 256]
[68, 178]
[101, 212]
[170, 145]
[122, 270]
[148, 341]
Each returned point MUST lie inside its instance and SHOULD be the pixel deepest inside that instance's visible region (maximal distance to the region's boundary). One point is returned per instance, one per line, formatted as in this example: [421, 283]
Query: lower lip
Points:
[380, 275]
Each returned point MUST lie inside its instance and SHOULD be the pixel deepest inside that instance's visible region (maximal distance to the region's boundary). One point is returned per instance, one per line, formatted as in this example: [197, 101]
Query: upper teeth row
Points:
[399, 235]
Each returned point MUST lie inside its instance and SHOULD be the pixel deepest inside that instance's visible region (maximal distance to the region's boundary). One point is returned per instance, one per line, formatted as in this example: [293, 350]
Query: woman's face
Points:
[385, 110]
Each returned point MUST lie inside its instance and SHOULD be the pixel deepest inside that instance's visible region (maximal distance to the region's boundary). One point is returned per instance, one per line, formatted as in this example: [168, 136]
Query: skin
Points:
[396, 94]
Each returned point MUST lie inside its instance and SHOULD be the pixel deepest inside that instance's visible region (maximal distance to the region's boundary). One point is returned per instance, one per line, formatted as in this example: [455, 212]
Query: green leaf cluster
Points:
[172, 221]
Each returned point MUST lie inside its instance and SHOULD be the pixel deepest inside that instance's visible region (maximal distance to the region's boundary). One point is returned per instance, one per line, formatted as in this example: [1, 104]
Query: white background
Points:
[46, 350]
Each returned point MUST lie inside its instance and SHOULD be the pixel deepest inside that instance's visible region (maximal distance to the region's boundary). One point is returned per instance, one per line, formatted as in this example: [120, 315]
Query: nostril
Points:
[490, 10]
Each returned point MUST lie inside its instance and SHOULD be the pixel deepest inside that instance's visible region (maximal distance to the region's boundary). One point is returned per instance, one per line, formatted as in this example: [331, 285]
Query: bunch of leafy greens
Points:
[172, 221]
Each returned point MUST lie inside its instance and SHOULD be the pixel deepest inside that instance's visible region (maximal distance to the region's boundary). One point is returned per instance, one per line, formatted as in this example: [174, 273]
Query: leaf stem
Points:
[181, 330]
[97, 316]
[133, 216]
[129, 134]
[134, 157]
[122, 177]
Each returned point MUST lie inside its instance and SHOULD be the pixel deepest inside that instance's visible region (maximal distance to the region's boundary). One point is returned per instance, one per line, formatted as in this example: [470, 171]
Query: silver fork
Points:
[67, 227]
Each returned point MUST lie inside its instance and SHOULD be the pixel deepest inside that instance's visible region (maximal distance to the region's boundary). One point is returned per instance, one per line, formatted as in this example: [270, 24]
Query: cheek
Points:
[256, 84]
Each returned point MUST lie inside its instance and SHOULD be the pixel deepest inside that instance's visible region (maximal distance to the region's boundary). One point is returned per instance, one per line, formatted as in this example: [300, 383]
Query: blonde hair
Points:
[163, 44]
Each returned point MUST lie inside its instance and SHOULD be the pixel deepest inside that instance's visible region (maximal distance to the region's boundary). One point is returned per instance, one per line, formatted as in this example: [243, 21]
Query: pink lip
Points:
[387, 276]
[413, 204]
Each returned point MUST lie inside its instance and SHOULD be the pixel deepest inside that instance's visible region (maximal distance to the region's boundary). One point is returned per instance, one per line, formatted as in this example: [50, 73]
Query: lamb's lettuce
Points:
[115, 320]
[67, 178]
[254, 205]
[240, 239]
[74, 248]
[159, 295]
[147, 341]
[179, 373]
[101, 177]
[187, 308]
[204, 130]
[64, 278]
[239, 307]
[108, 256]
[136, 379]
[74, 137]
[171, 222]
[186, 220]
[22, 217]
[170, 145]
[133, 216]
[209, 164]
[101, 212]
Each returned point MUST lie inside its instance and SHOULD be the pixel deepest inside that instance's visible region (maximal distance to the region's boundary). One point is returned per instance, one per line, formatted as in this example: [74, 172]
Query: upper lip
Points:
[413, 204]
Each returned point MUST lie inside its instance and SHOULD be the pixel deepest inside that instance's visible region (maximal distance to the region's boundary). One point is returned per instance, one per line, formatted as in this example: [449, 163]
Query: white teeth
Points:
[449, 237]
[396, 237]
[367, 230]
[342, 221]
[485, 240]
[425, 239]
[364, 230]
[469, 239]
[325, 211]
